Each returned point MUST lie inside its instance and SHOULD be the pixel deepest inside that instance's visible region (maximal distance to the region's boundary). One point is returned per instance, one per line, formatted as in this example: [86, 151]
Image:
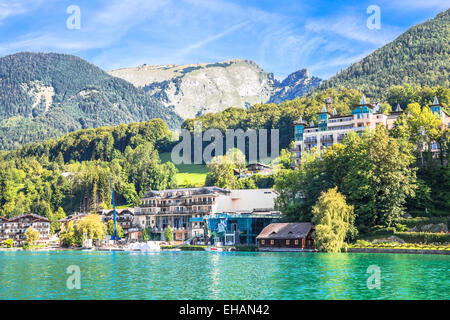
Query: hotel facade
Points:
[332, 127]
[186, 210]
[15, 228]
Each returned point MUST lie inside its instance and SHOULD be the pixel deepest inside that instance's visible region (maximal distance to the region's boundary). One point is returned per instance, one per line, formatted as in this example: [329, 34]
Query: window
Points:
[263, 241]
[296, 242]
[271, 242]
[288, 242]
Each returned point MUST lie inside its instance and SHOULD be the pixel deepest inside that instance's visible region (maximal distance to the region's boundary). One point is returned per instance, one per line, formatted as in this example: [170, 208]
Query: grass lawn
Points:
[194, 174]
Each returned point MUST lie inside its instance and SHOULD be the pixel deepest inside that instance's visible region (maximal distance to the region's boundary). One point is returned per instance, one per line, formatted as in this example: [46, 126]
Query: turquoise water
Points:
[228, 275]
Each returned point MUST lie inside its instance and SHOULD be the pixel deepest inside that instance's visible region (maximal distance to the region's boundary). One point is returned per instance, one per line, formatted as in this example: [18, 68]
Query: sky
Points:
[282, 36]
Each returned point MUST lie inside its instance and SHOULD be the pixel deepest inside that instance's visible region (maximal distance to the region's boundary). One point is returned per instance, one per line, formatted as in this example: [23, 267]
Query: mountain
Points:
[44, 95]
[195, 89]
[419, 56]
[295, 85]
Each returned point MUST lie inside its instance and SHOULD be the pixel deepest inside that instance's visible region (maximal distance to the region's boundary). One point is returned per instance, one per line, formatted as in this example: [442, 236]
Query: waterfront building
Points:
[15, 228]
[64, 222]
[240, 228]
[333, 127]
[124, 217]
[185, 209]
[286, 236]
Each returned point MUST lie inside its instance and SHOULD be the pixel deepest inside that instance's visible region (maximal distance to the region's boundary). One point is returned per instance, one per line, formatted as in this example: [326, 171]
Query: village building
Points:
[333, 127]
[286, 237]
[64, 222]
[15, 228]
[186, 210]
[126, 219]
[252, 169]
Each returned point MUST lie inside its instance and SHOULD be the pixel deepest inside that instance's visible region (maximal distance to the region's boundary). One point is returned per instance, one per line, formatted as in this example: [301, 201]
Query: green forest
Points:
[382, 174]
[419, 56]
[79, 96]
[282, 116]
[72, 173]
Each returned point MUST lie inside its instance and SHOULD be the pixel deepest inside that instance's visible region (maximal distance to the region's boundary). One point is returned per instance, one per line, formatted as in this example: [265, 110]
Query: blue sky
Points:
[282, 36]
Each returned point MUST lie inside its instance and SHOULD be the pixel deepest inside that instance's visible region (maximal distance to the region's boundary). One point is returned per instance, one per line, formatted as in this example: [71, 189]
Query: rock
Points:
[195, 89]
[435, 228]
[414, 229]
[389, 240]
[396, 239]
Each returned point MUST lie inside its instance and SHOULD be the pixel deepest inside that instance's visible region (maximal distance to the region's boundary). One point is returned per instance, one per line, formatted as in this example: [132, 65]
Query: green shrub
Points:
[362, 243]
[9, 243]
[380, 231]
[184, 248]
[193, 248]
[424, 237]
[421, 221]
[401, 227]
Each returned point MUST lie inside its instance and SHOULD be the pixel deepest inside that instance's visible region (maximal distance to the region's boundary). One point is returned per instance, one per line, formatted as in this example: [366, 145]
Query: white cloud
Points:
[348, 26]
[210, 39]
[419, 4]
[11, 8]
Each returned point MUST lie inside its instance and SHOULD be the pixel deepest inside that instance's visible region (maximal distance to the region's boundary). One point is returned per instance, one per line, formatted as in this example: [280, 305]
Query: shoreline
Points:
[349, 250]
[398, 251]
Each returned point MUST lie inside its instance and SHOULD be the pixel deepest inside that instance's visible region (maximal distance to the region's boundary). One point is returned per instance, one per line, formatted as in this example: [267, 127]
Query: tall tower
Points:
[324, 115]
[436, 107]
[362, 108]
[299, 128]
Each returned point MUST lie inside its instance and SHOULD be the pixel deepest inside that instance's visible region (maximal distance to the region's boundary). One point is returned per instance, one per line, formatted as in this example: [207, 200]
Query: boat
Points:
[214, 249]
[149, 246]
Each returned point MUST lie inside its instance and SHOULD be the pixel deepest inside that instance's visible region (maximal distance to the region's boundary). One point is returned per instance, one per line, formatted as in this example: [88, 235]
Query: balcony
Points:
[326, 139]
[310, 141]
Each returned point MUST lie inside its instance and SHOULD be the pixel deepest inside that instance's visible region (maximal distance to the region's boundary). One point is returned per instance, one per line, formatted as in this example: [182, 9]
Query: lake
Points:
[226, 275]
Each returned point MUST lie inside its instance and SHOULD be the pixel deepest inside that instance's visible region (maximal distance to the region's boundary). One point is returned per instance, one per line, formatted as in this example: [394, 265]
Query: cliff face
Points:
[192, 90]
[295, 85]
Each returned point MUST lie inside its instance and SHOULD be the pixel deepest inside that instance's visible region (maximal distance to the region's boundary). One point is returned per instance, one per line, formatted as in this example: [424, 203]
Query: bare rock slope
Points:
[192, 90]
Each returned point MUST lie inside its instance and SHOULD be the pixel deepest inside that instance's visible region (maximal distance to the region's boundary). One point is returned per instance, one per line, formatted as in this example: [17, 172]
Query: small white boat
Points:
[149, 246]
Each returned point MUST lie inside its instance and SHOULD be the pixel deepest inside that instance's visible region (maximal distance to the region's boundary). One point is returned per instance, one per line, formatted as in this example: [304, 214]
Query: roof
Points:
[199, 191]
[35, 216]
[286, 230]
[73, 217]
[118, 211]
[324, 110]
[259, 164]
[363, 102]
[300, 121]
[436, 102]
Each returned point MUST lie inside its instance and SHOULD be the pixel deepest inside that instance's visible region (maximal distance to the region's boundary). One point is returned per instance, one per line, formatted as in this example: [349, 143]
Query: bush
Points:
[9, 243]
[424, 237]
[401, 227]
[193, 248]
[380, 231]
[421, 221]
[362, 243]
[184, 248]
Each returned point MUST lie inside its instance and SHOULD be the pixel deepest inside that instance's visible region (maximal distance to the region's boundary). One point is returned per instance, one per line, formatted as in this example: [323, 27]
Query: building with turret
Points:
[333, 127]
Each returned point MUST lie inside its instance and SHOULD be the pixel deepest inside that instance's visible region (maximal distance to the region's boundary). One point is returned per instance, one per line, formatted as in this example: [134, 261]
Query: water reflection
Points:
[227, 275]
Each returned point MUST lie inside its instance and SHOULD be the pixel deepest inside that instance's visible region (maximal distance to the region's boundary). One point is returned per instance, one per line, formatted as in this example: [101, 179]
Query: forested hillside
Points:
[72, 172]
[419, 56]
[44, 95]
[282, 116]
